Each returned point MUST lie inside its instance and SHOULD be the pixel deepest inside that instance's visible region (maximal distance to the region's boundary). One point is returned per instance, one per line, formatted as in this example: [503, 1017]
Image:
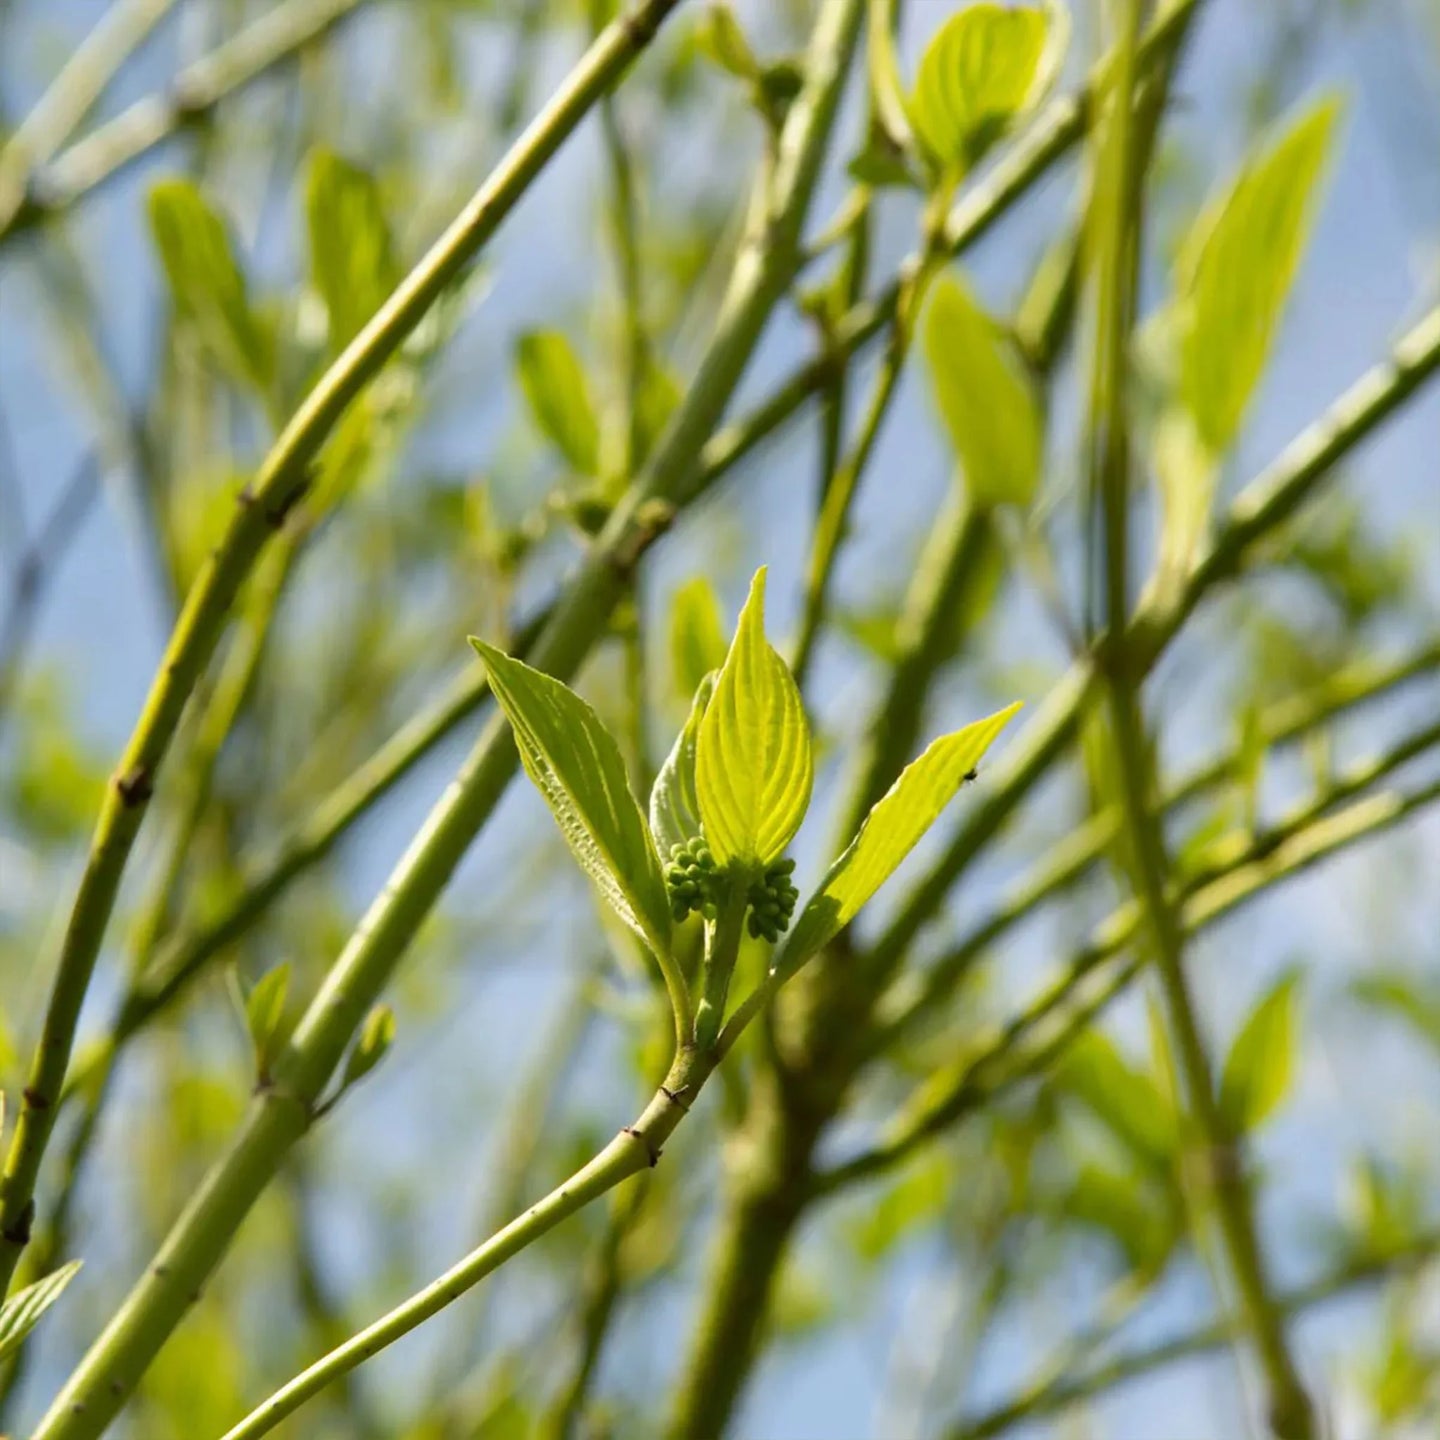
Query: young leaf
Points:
[1261, 1062]
[1236, 269]
[892, 829]
[265, 1014]
[674, 805]
[1406, 997]
[1125, 1100]
[576, 765]
[721, 39]
[375, 1037]
[351, 261]
[984, 67]
[20, 1312]
[697, 635]
[207, 284]
[554, 386]
[753, 763]
[985, 398]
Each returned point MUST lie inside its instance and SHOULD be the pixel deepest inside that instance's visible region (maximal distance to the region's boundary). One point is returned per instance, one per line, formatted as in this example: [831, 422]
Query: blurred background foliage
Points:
[892, 1217]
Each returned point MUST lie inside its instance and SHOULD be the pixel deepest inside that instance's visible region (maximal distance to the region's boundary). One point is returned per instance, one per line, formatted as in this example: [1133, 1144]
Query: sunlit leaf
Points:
[674, 805]
[1237, 267]
[554, 385]
[697, 635]
[985, 398]
[1261, 1063]
[371, 1045]
[1406, 997]
[893, 828]
[351, 260]
[721, 40]
[986, 65]
[207, 284]
[20, 1312]
[1131, 1213]
[753, 765]
[265, 1014]
[577, 766]
[1122, 1098]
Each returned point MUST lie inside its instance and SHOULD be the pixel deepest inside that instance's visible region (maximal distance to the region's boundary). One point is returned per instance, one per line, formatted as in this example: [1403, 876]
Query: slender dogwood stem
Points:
[764, 269]
[1117, 230]
[1264, 504]
[276, 37]
[1048, 1397]
[281, 480]
[1289, 720]
[993, 1062]
[81, 82]
[633, 1150]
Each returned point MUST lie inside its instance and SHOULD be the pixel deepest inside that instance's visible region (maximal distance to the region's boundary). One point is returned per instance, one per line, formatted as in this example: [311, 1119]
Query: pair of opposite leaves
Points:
[740, 772]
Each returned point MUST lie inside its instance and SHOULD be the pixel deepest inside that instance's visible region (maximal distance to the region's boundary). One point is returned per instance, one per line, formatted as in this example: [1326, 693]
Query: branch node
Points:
[651, 1153]
[135, 786]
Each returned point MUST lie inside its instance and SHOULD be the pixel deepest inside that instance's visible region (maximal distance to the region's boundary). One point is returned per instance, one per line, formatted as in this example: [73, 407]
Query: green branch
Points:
[83, 79]
[1287, 721]
[279, 483]
[995, 1061]
[764, 270]
[1062, 1391]
[194, 93]
[1276, 494]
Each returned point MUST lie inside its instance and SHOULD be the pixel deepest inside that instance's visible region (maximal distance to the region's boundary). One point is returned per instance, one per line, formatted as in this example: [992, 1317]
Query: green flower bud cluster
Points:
[772, 901]
[691, 878]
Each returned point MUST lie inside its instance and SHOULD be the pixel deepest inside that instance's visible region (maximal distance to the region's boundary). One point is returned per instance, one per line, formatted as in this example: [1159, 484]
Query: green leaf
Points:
[1236, 269]
[659, 395]
[984, 68]
[1261, 1062]
[20, 1312]
[1405, 997]
[880, 167]
[351, 260]
[721, 40]
[697, 635]
[265, 1014]
[207, 284]
[553, 383]
[674, 805]
[753, 763]
[576, 765]
[1125, 1100]
[892, 829]
[984, 396]
[1126, 1210]
[371, 1045]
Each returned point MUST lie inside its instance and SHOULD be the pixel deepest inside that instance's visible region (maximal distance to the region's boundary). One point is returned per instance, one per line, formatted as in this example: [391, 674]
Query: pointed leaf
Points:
[1236, 270]
[697, 635]
[20, 1312]
[674, 805]
[207, 284]
[892, 829]
[1408, 998]
[371, 1045]
[753, 763]
[1261, 1063]
[985, 66]
[985, 398]
[265, 1013]
[576, 765]
[1125, 1100]
[351, 260]
[721, 39]
[553, 383]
